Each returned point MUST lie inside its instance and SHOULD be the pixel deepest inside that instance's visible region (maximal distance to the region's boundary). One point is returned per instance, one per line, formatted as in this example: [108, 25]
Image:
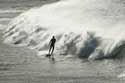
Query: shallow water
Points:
[21, 65]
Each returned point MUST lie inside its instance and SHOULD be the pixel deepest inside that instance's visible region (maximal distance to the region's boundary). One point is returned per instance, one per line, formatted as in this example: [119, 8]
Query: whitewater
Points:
[85, 28]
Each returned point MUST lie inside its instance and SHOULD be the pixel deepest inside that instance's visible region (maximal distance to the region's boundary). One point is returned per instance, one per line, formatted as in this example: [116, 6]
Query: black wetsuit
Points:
[52, 45]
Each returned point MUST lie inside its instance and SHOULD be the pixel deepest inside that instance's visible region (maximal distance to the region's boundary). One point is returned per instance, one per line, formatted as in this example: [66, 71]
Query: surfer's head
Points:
[53, 37]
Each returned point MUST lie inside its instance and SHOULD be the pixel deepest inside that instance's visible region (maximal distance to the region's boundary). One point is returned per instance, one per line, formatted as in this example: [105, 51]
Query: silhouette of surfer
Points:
[52, 45]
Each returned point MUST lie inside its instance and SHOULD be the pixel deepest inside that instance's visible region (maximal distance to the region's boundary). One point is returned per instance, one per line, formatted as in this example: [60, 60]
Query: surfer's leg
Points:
[52, 49]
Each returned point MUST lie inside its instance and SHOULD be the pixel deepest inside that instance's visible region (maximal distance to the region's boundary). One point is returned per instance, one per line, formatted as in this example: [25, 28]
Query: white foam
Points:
[11, 10]
[70, 21]
[121, 75]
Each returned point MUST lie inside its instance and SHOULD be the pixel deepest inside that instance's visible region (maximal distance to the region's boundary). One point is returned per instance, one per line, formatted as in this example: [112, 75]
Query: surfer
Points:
[52, 45]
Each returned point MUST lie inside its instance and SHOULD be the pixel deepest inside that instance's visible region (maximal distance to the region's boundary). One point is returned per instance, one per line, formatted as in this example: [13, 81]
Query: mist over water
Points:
[86, 28]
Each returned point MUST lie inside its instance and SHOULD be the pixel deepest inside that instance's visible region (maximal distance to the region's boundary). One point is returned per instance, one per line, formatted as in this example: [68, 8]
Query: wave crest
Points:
[85, 29]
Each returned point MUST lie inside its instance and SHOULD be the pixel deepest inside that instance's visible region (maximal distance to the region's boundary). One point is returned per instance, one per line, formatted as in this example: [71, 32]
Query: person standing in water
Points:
[52, 45]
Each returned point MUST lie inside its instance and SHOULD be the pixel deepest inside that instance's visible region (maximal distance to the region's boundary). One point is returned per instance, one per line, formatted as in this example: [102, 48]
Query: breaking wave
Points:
[90, 29]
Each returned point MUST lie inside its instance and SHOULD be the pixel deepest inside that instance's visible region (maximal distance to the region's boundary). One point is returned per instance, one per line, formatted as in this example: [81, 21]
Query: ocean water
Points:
[27, 67]
[11, 8]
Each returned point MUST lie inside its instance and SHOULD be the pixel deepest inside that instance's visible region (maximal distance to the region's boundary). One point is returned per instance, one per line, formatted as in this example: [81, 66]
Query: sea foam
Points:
[86, 28]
